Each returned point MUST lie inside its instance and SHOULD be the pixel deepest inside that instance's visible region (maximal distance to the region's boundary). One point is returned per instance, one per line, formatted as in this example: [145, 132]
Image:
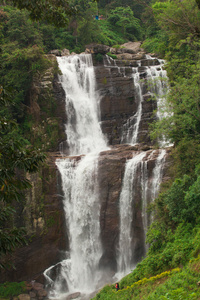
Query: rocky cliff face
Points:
[43, 212]
[119, 93]
[111, 174]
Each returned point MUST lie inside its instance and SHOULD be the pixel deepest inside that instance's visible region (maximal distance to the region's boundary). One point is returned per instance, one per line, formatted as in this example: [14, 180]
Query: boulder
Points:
[134, 46]
[41, 293]
[97, 48]
[65, 52]
[73, 296]
[55, 52]
[24, 297]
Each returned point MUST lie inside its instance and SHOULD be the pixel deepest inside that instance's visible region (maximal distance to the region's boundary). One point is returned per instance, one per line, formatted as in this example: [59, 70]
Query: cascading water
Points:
[131, 128]
[147, 186]
[79, 270]
[151, 185]
[128, 193]
[83, 130]
[155, 81]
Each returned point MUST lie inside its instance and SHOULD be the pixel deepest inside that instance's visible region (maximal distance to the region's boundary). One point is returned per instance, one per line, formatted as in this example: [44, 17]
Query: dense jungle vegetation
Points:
[171, 30]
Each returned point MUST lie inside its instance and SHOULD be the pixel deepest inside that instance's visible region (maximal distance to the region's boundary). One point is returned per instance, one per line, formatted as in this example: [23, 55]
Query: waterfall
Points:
[82, 104]
[131, 128]
[110, 63]
[130, 185]
[144, 187]
[151, 184]
[79, 270]
[158, 173]
[152, 81]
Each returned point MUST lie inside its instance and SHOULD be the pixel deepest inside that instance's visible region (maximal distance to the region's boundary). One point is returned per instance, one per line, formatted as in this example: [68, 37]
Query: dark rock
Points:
[150, 62]
[55, 52]
[97, 48]
[41, 293]
[32, 294]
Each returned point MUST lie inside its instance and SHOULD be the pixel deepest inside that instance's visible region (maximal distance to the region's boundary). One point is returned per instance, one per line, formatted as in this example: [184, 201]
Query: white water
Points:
[110, 63]
[131, 128]
[151, 184]
[82, 104]
[158, 173]
[147, 186]
[156, 81]
[79, 272]
[126, 202]
[158, 87]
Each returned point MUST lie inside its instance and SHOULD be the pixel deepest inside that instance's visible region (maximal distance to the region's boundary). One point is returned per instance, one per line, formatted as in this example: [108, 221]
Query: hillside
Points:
[168, 30]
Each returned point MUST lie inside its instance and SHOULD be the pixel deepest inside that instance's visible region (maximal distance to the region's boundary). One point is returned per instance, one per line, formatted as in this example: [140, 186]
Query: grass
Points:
[175, 284]
[11, 289]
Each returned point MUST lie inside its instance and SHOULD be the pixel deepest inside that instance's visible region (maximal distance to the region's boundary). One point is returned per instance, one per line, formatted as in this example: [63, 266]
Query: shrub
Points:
[10, 289]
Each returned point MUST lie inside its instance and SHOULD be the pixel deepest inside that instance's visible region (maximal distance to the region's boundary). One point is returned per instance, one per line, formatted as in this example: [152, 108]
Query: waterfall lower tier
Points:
[130, 188]
[139, 188]
[106, 197]
[80, 270]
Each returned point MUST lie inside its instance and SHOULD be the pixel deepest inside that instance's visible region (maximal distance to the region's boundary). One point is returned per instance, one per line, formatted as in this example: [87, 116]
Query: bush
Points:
[10, 289]
[112, 55]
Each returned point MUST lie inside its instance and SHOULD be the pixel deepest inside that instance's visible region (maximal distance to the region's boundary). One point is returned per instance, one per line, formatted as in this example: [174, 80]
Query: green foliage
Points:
[124, 20]
[21, 58]
[19, 28]
[111, 35]
[11, 289]
[15, 160]
[112, 55]
[176, 283]
[98, 57]
[175, 199]
[55, 12]
[172, 284]
[18, 69]
[158, 43]
[179, 20]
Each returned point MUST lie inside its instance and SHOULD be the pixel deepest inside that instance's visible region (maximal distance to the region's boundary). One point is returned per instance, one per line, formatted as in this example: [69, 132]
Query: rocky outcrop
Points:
[44, 220]
[120, 97]
[46, 106]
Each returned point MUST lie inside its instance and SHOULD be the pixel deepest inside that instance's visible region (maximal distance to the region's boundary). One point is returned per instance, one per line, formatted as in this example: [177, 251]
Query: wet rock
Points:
[73, 296]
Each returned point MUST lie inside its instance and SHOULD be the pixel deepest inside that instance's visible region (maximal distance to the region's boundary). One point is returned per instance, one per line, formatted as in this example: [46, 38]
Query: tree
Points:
[15, 160]
[123, 18]
[179, 19]
[198, 3]
[53, 11]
